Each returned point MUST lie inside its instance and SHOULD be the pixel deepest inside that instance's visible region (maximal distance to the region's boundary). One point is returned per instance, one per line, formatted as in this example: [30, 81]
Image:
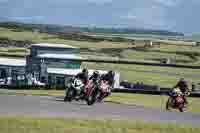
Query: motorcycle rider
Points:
[95, 77]
[110, 78]
[83, 76]
[184, 88]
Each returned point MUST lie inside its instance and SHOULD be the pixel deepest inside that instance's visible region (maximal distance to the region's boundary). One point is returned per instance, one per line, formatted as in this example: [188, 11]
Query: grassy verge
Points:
[35, 125]
[151, 101]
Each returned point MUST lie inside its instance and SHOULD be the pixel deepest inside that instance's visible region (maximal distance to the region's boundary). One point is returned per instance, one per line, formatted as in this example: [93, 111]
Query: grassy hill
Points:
[182, 53]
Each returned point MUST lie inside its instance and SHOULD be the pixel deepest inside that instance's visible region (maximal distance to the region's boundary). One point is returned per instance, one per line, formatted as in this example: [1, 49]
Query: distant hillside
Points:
[41, 27]
[131, 31]
[49, 28]
[195, 37]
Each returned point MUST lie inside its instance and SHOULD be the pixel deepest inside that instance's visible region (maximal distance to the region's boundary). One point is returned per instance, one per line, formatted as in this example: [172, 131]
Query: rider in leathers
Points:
[83, 76]
[184, 88]
[95, 77]
[110, 78]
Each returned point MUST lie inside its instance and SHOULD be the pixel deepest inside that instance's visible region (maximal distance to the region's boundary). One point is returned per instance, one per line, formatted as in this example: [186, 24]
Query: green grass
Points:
[13, 52]
[47, 125]
[166, 50]
[124, 49]
[153, 75]
[151, 101]
[185, 55]
[153, 56]
[43, 37]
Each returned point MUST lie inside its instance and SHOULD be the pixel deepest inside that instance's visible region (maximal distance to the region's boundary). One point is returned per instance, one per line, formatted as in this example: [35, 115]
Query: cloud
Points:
[168, 3]
[129, 16]
[4, 1]
[100, 2]
[27, 18]
[179, 15]
[146, 16]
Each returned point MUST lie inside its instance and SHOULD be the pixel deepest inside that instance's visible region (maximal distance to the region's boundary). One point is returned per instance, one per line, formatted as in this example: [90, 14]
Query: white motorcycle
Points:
[73, 89]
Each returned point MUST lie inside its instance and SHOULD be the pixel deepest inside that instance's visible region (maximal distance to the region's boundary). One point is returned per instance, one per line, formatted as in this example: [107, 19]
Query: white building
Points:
[12, 71]
[53, 64]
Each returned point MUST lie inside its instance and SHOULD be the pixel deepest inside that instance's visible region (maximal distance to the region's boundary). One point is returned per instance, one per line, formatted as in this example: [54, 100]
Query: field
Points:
[186, 54]
[162, 76]
[43, 37]
[151, 101]
[13, 52]
[44, 125]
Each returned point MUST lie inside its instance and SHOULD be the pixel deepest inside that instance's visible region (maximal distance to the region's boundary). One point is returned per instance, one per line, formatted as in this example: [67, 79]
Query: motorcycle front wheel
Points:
[69, 95]
[182, 108]
[168, 104]
[92, 98]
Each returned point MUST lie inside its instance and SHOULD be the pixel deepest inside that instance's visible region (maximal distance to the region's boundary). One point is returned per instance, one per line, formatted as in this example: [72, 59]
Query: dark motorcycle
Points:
[177, 102]
[73, 89]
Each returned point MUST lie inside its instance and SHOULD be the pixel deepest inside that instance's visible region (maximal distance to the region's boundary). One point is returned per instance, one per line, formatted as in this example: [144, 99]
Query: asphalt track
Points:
[34, 106]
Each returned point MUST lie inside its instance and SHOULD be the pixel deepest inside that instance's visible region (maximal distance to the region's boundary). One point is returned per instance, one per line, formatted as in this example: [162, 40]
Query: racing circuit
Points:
[54, 107]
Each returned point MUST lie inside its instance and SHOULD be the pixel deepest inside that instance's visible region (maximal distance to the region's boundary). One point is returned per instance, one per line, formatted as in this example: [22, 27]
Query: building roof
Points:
[63, 71]
[59, 56]
[12, 62]
[50, 45]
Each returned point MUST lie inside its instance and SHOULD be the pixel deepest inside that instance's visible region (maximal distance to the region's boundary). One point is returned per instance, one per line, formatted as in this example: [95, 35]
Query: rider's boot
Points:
[77, 98]
[185, 101]
[173, 101]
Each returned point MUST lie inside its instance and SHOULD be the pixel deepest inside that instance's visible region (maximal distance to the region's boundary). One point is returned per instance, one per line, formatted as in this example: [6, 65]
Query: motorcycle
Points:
[177, 102]
[91, 93]
[73, 89]
[104, 90]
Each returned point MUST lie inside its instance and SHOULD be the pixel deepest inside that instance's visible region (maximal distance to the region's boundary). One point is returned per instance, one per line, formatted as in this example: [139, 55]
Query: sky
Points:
[174, 15]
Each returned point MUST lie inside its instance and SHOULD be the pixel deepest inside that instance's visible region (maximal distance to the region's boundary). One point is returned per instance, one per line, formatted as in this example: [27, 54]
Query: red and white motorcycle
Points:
[91, 92]
[104, 89]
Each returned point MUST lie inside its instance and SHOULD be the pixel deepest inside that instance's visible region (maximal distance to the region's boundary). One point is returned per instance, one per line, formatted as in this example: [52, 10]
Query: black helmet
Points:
[96, 74]
[85, 70]
[111, 73]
